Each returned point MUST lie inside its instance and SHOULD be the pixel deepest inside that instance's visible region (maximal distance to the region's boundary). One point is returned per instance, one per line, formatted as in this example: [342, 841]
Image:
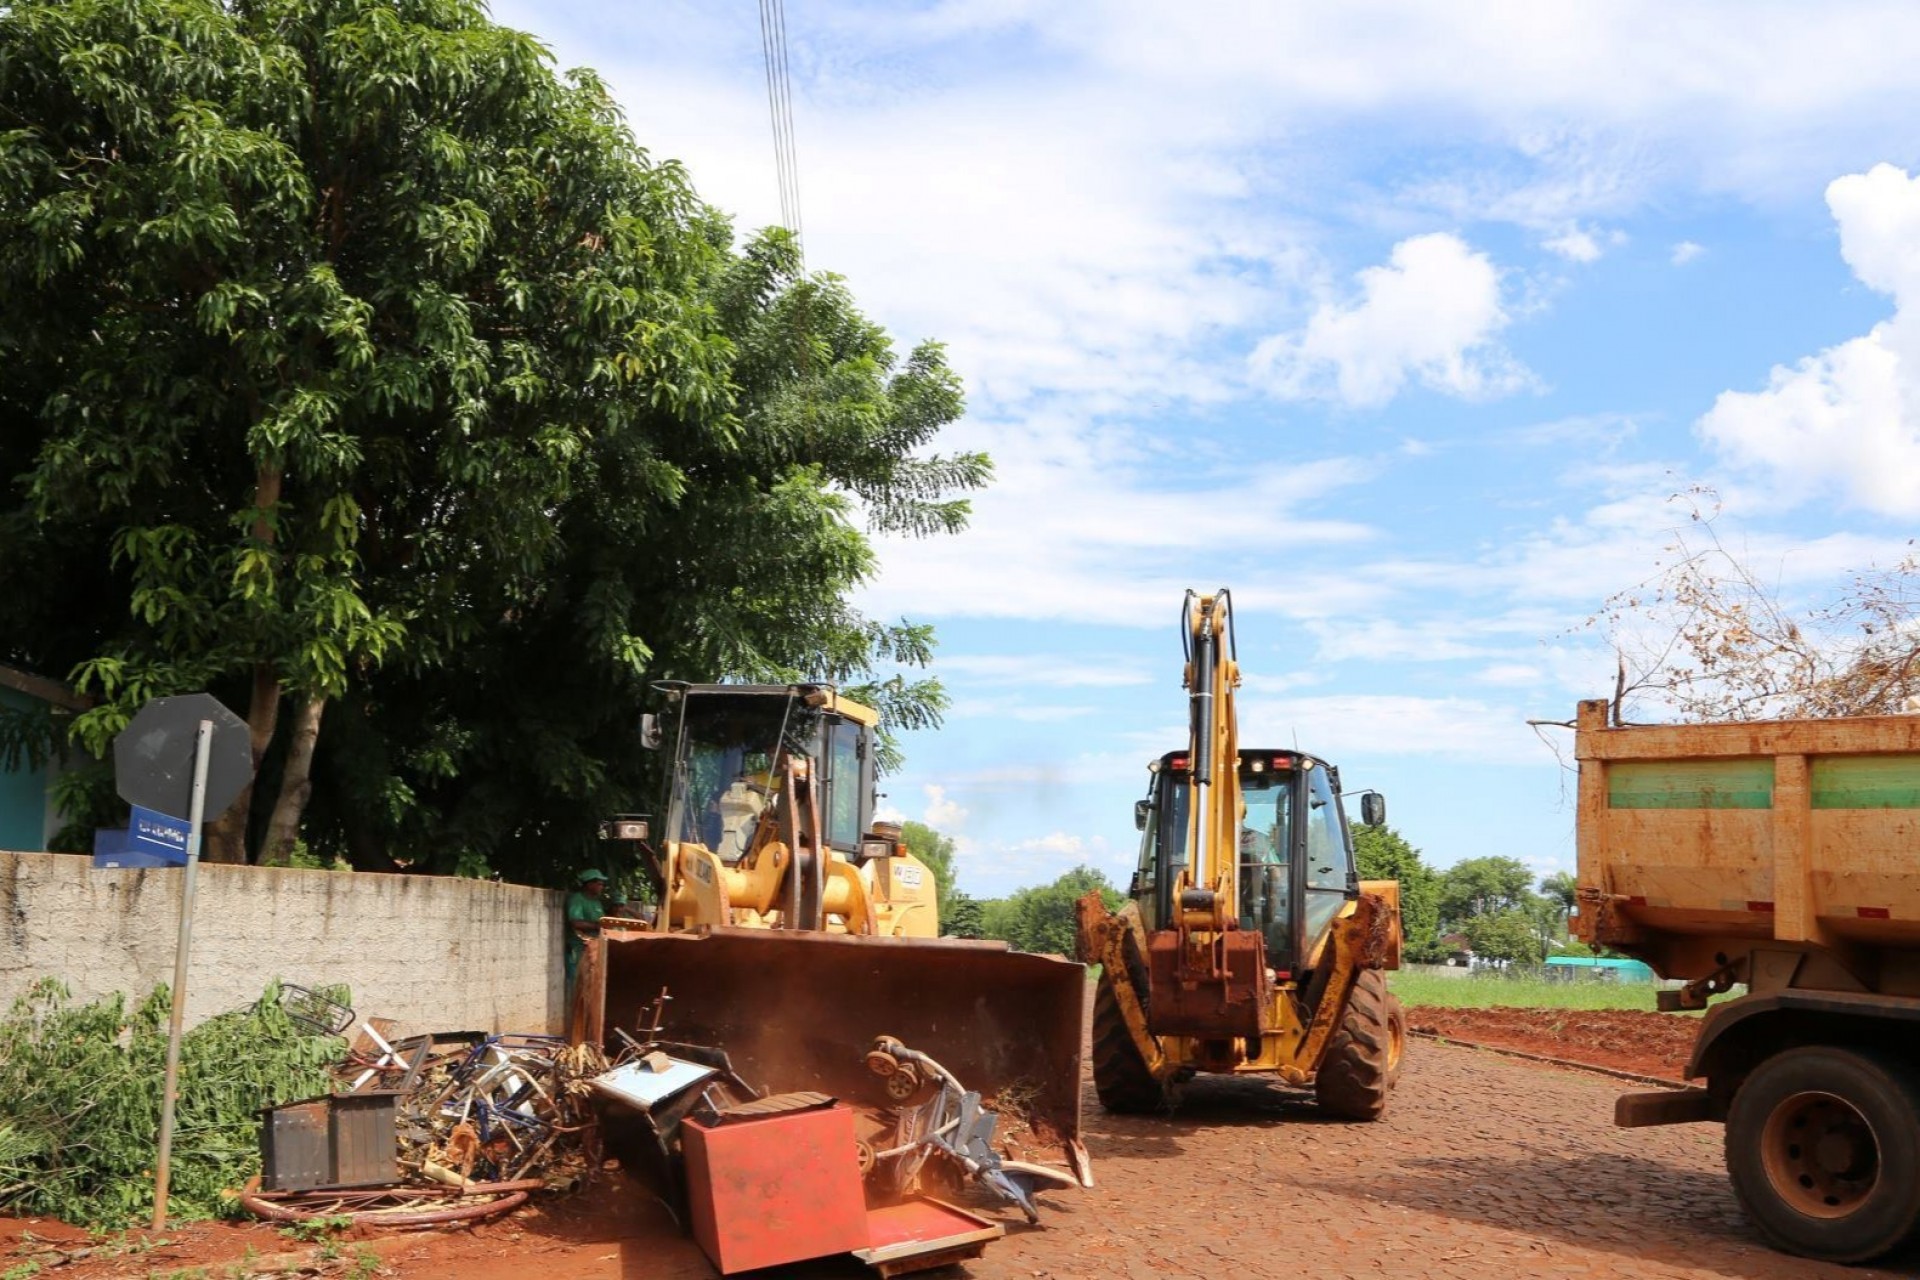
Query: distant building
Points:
[1600, 967]
[28, 815]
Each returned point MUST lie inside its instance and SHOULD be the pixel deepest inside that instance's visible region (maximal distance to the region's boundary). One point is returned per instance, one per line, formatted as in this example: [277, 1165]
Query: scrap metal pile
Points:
[876, 1173]
[427, 1129]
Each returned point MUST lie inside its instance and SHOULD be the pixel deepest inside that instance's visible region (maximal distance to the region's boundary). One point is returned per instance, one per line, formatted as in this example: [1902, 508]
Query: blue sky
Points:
[1404, 321]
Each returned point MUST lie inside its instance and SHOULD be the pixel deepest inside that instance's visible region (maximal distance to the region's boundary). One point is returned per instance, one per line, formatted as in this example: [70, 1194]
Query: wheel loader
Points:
[1249, 944]
[793, 931]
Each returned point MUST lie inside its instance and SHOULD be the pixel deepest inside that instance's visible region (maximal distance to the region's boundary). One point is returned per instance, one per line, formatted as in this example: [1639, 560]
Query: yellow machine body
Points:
[1250, 944]
[794, 929]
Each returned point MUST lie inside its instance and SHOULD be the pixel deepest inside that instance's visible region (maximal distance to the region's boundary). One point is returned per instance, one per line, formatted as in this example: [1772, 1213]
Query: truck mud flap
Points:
[799, 1010]
[1665, 1106]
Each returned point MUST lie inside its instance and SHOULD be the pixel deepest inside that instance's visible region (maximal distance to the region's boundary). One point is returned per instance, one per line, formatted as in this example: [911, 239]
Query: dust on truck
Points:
[1783, 856]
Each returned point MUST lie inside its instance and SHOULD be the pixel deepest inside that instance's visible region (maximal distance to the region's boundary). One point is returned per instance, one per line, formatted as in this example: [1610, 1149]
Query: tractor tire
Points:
[1120, 1074]
[1823, 1148]
[1396, 1039]
[1356, 1075]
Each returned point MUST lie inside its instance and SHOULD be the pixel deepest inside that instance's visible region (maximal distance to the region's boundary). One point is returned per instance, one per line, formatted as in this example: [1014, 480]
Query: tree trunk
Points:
[296, 785]
[226, 838]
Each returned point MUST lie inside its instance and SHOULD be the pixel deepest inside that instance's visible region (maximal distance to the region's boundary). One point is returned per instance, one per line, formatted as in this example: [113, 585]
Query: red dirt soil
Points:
[1648, 1044]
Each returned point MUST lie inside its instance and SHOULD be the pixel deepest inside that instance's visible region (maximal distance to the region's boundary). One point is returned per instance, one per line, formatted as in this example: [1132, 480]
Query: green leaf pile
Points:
[81, 1086]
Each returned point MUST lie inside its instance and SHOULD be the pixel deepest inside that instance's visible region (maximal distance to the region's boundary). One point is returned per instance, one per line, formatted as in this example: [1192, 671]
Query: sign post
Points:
[203, 743]
[190, 754]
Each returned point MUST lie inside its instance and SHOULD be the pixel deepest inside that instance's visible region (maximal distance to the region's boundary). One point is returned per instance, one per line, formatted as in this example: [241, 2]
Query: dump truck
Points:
[1783, 857]
[1249, 944]
[794, 931]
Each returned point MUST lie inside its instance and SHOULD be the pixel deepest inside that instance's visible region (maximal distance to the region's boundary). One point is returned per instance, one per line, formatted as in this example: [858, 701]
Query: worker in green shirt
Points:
[584, 909]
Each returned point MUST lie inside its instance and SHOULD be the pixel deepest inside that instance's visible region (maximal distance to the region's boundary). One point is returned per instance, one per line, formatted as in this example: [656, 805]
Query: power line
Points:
[786, 160]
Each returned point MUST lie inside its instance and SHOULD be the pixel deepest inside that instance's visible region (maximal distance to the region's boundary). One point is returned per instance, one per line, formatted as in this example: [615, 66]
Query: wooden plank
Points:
[1590, 834]
[1867, 782]
[1857, 735]
[1691, 784]
[1795, 913]
[1716, 841]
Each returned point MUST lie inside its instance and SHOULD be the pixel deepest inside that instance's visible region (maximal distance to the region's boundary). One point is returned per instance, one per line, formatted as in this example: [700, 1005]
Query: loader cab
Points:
[728, 740]
[1295, 863]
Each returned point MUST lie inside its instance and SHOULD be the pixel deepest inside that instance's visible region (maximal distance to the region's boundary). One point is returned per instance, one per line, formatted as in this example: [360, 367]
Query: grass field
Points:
[1485, 990]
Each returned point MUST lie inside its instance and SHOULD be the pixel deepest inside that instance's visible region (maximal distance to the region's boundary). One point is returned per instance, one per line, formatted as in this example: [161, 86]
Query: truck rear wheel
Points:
[1120, 1074]
[1357, 1072]
[1823, 1147]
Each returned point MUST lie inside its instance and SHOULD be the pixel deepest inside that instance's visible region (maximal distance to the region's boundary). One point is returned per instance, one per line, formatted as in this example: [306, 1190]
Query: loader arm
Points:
[1101, 937]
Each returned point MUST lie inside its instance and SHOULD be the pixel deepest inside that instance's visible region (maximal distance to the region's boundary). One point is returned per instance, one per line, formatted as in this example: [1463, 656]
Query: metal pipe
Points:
[1205, 654]
[202, 746]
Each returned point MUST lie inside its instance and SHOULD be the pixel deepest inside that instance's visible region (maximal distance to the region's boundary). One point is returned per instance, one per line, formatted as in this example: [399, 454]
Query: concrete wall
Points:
[433, 952]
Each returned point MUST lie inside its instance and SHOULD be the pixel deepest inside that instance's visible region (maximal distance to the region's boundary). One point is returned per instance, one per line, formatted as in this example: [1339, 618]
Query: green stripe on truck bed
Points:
[1691, 784]
[1866, 782]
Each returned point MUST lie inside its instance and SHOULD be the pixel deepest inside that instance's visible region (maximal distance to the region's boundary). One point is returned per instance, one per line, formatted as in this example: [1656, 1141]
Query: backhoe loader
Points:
[1249, 945]
[793, 930]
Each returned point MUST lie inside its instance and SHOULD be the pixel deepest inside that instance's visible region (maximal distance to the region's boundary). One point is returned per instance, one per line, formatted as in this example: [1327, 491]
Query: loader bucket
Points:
[799, 1010]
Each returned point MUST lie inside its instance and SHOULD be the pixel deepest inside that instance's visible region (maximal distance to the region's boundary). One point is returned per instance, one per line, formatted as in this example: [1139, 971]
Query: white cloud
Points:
[941, 813]
[1846, 420]
[1343, 726]
[1093, 522]
[1578, 244]
[1686, 251]
[968, 706]
[1574, 245]
[1431, 314]
[1056, 670]
[1510, 675]
[1081, 198]
[1607, 431]
[1059, 843]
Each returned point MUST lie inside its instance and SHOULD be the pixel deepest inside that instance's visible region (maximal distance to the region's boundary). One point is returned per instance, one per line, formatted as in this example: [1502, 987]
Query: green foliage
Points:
[312, 1230]
[355, 357]
[1041, 918]
[1527, 991]
[963, 917]
[83, 1102]
[29, 735]
[936, 851]
[1512, 935]
[1384, 854]
[1479, 886]
[1562, 890]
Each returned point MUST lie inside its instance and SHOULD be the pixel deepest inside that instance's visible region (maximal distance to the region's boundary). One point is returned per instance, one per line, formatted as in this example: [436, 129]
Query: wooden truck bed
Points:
[1702, 840]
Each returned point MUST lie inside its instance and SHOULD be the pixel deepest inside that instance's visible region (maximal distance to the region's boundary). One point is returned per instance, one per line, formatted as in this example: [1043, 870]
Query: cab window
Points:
[843, 787]
[1329, 865]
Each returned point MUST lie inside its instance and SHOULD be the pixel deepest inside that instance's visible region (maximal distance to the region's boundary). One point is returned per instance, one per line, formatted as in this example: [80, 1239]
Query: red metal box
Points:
[763, 1191]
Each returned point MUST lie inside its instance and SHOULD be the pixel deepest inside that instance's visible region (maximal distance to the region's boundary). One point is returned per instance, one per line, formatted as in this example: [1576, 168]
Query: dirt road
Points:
[1486, 1168]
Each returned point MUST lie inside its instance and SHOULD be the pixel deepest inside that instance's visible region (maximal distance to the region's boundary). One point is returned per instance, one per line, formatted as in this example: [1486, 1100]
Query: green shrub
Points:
[82, 1088]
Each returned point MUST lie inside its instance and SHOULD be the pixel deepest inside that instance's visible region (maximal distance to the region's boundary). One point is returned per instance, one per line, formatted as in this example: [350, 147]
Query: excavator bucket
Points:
[799, 1011]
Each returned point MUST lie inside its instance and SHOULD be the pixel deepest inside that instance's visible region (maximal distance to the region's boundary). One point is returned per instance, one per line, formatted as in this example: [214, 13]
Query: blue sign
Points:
[157, 834]
[110, 852]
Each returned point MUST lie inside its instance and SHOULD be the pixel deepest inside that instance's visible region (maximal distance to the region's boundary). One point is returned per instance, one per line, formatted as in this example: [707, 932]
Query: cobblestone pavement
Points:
[1483, 1167]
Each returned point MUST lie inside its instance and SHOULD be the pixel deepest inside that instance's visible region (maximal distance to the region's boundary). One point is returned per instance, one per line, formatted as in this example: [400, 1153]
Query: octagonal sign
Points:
[153, 756]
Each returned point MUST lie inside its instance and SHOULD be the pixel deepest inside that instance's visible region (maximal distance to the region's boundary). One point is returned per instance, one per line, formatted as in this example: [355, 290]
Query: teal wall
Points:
[23, 796]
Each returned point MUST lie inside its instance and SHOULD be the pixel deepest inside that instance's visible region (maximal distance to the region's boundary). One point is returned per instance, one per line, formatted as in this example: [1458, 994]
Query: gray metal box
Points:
[337, 1140]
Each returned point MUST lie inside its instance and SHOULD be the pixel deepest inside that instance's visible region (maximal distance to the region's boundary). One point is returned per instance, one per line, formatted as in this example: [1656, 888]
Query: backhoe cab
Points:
[1249, 944]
